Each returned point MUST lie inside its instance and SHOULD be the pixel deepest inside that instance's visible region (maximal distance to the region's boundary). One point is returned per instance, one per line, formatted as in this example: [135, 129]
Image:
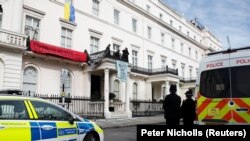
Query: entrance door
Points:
[95, 87]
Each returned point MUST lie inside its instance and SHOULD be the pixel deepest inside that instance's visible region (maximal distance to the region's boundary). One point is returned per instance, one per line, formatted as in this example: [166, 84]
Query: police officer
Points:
[188, 109]
[171, 106]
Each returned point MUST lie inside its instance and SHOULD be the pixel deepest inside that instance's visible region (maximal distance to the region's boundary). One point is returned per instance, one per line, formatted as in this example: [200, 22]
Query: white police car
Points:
[31, 119]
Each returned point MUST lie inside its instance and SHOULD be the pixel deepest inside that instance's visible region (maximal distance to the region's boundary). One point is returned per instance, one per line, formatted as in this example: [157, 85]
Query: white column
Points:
[177, 88]
[128, 95]
[106, 94]
[167, 88]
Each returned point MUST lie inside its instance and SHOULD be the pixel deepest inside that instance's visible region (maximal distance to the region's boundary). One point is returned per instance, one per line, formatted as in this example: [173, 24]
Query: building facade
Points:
[164, 48]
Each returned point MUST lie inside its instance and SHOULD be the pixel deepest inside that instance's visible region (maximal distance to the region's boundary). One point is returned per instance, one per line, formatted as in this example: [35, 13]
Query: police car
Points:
[24, 118]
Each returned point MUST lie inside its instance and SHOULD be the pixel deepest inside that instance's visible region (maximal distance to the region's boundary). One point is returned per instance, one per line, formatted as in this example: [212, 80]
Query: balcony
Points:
[188, 80]
[11, 39]
[154, 71]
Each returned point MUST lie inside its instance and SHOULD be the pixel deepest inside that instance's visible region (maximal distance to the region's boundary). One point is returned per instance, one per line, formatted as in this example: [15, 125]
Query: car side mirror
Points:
[71, 119]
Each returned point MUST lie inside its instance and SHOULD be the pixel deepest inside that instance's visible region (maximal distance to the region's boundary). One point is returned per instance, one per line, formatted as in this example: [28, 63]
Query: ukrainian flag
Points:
[66, 10]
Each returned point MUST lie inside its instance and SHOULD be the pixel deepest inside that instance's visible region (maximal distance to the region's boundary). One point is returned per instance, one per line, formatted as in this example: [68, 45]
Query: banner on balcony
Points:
[122, 70]
[96, 59]
[42, 48]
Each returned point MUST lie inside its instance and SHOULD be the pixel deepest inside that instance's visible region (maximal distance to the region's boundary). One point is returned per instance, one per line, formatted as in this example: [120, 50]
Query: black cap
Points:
[172, 88]
[189, 92]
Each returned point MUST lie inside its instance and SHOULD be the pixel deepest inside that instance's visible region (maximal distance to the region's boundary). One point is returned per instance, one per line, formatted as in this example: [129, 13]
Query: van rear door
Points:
[213, 103]
[240, 82]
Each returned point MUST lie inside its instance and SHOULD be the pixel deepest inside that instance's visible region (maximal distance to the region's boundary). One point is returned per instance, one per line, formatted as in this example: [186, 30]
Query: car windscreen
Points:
[215, 83]
[240, 78]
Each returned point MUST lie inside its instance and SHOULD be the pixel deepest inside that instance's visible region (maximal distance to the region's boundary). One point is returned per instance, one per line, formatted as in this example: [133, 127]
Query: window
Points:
[240, 81]
[1, 15]
[116, 47]
[116, 16]
[162, 38]
[196, 55]
[66, 38]
[216, 83]
[181, 48]
[30, 80]
[190, 72]
[173, 43]
[65, 85]
[180, 28]
[188, 33]
[171, 23]
[148, 8]
[46, 111]
[160, 15]
[149, 32]
[94, 44]
[174, 62]
[183, 70]
[163, 63]
[13, 109]
[189, 52]
[150, 62]
[135, 91]
[117, 89]
[95, 7]
[134, 25]
[135, 57]
[32, 27]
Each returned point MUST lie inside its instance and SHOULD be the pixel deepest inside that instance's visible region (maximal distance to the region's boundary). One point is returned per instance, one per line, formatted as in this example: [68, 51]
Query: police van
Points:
[223, 88]
[24, 118]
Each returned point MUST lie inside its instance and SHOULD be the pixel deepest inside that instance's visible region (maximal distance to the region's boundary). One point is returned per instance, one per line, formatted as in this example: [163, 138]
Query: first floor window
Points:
[94, 44]
[117, 89]
[30, 80]
[135, 91]
[134, 57]
[150, 62]
[65, 85]
[32, 27]
[66, 38]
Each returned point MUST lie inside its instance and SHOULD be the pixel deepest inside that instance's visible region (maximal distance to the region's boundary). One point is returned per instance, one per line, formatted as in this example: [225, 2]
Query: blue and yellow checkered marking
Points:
[35, 131]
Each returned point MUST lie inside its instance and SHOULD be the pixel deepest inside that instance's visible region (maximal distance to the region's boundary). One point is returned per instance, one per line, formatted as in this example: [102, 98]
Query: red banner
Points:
[39, 47]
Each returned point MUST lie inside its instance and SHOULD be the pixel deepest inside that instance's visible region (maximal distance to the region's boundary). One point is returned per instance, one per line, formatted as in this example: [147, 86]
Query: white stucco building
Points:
[164, 48]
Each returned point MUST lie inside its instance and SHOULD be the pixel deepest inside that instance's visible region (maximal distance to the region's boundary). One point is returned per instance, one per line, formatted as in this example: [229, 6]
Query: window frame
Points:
[96, 7]
[28, 83]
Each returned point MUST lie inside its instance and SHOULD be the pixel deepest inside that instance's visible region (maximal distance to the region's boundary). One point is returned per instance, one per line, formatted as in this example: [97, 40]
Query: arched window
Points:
[135, 91]
[65, 84]
[30, 80]
[117, 89]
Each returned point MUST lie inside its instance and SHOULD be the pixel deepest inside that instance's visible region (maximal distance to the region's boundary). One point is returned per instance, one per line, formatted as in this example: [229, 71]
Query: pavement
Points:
[116, 123]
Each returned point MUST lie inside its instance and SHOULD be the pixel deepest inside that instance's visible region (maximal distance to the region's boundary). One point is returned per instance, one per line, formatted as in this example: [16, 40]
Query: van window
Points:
[240, 81]
[215, 83]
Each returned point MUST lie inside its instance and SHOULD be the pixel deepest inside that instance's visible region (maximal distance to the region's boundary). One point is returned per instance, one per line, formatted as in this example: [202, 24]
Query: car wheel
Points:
[91, 137]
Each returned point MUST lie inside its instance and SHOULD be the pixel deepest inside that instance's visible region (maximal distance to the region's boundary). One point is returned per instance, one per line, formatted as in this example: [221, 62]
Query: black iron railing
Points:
[154, 71]
[82, 106]
[146, 108]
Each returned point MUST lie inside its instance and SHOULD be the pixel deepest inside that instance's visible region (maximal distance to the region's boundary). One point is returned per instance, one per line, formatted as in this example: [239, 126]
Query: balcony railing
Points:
[188, 80]
[12, 38]
[154, 71]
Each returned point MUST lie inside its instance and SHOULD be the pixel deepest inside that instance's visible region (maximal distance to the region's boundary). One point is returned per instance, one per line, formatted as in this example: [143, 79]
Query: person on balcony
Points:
[125, 54]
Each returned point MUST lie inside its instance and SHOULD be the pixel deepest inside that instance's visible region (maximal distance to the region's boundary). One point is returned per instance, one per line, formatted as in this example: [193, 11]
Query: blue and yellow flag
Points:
[66, 10]
[72, 13]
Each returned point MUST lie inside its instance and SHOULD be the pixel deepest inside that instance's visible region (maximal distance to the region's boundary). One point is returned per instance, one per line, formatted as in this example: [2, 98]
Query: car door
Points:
[14, 121]
[53, 122]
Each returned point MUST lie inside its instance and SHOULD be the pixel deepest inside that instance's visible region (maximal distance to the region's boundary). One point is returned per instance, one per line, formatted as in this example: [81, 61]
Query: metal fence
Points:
[82, 106]
[146, 108]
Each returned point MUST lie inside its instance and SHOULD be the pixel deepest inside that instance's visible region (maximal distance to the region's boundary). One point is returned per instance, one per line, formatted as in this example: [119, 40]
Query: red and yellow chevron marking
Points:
[218, 108]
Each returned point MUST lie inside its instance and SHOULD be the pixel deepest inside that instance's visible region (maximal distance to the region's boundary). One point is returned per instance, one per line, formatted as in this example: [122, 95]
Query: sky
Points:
[222, 17]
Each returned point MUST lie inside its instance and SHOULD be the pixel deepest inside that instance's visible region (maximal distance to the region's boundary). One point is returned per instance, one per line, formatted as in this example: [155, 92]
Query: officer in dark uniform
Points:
[171, 106]
[188, 109]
